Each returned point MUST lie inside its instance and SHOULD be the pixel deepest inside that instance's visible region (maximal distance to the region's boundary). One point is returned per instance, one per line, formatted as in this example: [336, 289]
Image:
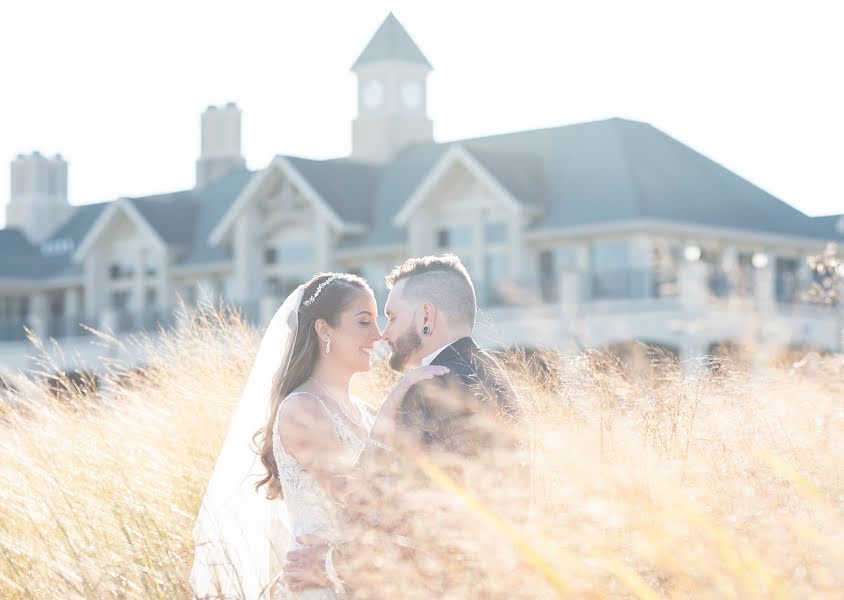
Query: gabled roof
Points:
[346, 186]
[183, 219]
[521, 174]
[171, 216]
[391, 42]
[599, 173]
[214, 200]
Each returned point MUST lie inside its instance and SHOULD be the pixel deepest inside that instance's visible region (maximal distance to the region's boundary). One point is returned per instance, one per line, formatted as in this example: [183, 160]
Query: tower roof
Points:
[391, 42]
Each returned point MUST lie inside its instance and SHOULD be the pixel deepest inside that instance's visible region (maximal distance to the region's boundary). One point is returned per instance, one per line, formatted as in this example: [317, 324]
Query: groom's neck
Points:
[441, 339]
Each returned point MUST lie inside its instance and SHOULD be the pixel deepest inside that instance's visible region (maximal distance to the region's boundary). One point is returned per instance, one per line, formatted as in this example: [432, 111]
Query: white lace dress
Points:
[309, 509]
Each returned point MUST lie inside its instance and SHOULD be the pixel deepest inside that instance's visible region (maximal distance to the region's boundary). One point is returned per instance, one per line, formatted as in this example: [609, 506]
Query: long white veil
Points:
[239, 534]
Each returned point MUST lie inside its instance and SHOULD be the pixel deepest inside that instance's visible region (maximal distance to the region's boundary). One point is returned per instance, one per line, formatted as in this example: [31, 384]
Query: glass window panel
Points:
[611, 256]
[461, 235]
[497, 277]
[787, 273]
[295, 252]
[495, 233]
[150, 297]
[457, 236]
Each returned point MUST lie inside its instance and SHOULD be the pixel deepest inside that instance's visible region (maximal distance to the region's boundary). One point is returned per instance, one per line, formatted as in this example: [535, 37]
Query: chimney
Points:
[38, 195]
[220, 153]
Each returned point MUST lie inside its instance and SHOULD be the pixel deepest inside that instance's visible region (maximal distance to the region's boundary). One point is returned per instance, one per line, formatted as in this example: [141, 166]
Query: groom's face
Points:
[401, 331]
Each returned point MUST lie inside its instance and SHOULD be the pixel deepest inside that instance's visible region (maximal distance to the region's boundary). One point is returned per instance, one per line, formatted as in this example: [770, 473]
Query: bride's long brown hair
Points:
[329, 304]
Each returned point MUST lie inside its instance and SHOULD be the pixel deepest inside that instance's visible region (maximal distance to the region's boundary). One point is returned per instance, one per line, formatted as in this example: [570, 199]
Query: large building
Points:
[581, 235]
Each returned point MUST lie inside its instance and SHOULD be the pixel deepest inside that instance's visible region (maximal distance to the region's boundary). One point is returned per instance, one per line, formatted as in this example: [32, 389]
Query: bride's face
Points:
[356, 333]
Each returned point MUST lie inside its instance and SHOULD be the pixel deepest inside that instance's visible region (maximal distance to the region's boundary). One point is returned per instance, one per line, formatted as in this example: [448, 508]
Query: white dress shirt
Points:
[427, 360]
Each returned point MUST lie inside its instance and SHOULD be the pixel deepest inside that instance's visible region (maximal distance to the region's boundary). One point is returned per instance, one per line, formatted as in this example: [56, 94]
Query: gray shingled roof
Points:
[831, 226]
[346, 186]
[182, 219]
[591, 173]
[211, 202]
[172, 216]
[21, 259]
[391, 42]
[521, 174]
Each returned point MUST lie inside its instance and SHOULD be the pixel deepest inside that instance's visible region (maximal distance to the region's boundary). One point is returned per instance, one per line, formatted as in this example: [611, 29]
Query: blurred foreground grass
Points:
[649, 484]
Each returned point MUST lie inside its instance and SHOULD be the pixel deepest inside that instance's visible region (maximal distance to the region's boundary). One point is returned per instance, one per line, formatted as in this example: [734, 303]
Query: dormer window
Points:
[56, 247]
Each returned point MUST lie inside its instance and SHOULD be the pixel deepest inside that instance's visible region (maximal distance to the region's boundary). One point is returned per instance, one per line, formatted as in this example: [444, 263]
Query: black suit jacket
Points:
[459, 411]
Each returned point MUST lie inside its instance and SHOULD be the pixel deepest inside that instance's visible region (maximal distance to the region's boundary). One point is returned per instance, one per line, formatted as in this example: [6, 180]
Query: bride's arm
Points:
[383, 430]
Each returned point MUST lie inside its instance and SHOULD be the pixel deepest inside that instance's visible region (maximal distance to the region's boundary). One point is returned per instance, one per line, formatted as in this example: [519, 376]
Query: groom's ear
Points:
[429, 313]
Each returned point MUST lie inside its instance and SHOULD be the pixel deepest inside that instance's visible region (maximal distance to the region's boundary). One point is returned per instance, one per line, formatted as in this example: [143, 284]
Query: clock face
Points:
[372, 94]
[411, 94]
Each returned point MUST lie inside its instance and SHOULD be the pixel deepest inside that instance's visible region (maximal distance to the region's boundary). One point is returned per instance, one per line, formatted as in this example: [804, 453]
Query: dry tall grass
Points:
[721, 484]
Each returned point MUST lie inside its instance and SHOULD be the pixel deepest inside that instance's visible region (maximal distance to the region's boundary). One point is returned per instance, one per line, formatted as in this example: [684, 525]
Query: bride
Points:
[311, 431]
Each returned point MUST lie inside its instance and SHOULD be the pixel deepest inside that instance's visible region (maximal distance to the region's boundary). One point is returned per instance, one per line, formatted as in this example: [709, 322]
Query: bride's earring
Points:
[327, 345]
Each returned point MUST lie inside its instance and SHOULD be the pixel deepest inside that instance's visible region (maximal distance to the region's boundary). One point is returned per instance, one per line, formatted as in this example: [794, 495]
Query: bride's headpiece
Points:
[310, 300]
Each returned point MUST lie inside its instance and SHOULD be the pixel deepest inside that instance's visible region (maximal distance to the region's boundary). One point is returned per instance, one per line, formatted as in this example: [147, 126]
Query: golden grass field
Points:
[727, 483]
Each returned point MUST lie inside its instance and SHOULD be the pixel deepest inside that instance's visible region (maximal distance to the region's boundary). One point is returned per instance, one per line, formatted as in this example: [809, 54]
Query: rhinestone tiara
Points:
[310, 300]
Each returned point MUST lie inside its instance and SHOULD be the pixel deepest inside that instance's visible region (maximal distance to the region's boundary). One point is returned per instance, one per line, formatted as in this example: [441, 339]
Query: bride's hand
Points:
[418, 374]
[411, 378]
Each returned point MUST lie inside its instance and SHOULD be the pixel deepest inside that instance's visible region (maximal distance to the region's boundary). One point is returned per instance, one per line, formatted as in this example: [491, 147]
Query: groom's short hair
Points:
[441, 280]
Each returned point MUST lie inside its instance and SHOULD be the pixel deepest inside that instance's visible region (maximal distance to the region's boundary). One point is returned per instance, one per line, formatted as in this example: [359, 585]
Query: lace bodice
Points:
[309, 509]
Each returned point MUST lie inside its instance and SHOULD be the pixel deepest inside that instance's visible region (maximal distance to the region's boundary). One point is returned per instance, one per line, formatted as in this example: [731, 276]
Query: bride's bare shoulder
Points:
[301, 405]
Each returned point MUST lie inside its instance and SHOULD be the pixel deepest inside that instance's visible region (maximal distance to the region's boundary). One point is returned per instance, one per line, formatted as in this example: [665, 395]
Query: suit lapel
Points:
[460, 350]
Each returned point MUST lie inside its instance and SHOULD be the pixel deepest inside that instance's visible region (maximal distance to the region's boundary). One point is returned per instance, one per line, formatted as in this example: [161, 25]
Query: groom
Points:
[431, 312]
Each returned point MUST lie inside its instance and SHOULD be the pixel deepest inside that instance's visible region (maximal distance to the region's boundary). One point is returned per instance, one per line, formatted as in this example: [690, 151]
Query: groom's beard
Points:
[405, 345]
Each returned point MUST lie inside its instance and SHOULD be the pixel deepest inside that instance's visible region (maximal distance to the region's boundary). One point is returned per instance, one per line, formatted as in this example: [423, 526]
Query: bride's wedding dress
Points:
[241, 537]
[309, 508]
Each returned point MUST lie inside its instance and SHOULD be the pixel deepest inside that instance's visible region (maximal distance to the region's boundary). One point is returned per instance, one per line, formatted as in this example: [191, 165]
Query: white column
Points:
[692, 283]
[570, 294]
[95, 289]
[248, 261]
[322, 245]
[478, 256]
[641, 264]
[763, 288]
[73, 310]
[136, 304]
[419, 235]
[517, 251]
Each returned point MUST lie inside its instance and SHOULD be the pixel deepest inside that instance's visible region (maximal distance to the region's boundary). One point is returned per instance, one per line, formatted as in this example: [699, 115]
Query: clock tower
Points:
[392, 76]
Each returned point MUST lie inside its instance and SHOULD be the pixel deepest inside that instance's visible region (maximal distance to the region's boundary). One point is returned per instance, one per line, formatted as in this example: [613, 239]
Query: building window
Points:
[497, 278]
[613, 275]
[495, 233]
[120, 300]
[295, 252]
[270, 256]
[120, 271]
[150, 297]
[549, 283]
[273, 287]
[150, 266]
[787, 282]
[664, 273]
[458, 236]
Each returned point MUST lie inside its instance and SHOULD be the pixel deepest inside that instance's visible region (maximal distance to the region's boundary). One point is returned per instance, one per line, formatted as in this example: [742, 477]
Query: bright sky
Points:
[117, 87]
